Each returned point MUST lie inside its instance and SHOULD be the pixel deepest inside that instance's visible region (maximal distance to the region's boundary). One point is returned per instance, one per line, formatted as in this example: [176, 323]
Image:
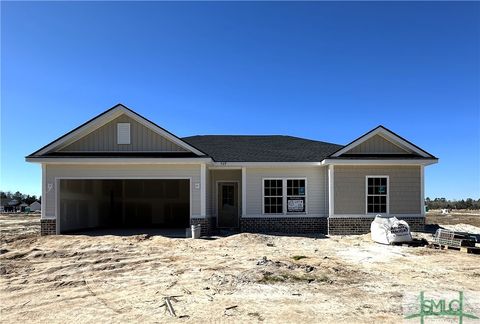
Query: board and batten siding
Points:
[54, 171]
[104, 139]
[223, 175]
[377, 144]
[317, 195]
[404, 188]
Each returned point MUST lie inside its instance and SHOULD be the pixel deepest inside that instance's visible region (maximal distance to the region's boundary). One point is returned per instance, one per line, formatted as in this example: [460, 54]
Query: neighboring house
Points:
[22, 207]
[122, 170]
[35, 206]
[3, 204]
[10, 205]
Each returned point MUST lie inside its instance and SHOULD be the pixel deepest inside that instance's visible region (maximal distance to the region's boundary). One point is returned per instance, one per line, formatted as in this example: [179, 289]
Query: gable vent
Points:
[123, 133]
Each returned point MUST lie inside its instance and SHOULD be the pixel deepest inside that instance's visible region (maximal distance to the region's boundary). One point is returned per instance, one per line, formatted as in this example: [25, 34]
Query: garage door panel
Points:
[129, 203]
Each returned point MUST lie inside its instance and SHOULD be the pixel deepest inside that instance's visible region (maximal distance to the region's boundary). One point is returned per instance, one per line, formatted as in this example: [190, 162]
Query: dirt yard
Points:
[240, 278]
[470, 217]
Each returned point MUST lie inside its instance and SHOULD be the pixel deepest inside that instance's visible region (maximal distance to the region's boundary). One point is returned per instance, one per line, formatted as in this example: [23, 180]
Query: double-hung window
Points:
[295, 195]
[284, 196]
[377, 194]
[273, 196]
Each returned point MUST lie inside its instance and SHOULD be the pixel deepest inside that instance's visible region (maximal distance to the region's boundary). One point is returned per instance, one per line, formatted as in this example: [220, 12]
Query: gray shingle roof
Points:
[262, 148]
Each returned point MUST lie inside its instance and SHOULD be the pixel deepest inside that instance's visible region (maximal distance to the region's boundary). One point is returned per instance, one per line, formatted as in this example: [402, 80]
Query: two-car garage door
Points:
[123, 203]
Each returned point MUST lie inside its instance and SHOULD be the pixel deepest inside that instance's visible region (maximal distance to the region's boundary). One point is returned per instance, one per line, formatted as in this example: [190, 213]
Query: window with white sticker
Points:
[285, 196]
[123, 133]
[296, 195]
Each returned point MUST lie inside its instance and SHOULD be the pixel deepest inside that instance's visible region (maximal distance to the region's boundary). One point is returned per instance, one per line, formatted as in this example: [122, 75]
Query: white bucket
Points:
[196, 231]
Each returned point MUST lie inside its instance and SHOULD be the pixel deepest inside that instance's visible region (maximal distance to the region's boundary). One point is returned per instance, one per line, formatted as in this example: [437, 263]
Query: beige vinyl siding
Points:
[377, 144]
[223, 175]
[104, 139]
[120, 172]
[317, 194]
[404, 188]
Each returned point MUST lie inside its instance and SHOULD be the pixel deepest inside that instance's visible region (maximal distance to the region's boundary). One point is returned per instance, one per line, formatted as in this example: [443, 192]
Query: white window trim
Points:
[124, 141]
[366, 194]
[263, 197]
[284, 197]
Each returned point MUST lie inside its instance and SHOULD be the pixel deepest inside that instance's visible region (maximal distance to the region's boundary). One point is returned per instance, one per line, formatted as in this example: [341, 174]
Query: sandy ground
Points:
[95, 279]
[454, 217]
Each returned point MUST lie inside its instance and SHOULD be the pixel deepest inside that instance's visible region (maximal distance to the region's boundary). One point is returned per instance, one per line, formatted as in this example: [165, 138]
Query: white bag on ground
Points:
[389, 230]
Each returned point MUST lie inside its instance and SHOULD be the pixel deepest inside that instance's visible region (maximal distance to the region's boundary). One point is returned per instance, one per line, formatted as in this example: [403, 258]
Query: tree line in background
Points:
[19, 197]
[442, 203]
[437, 203]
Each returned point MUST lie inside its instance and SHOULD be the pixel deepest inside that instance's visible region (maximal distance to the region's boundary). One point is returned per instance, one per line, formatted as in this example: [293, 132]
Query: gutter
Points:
[115, 160]
[379, 161]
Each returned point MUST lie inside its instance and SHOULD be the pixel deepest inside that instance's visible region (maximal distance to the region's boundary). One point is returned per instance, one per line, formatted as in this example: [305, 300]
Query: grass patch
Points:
[301, 278]
[298, 257]
[275, 278]
[324, 278]
[270, 278]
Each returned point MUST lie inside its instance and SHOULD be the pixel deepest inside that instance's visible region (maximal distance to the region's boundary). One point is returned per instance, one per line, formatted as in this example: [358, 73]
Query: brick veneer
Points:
[361, 225]
[290, 225]
[48, 227]
[417, 224]
[208, 224]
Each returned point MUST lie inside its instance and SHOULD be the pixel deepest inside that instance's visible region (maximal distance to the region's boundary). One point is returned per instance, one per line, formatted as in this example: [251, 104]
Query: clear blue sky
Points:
[327, 71]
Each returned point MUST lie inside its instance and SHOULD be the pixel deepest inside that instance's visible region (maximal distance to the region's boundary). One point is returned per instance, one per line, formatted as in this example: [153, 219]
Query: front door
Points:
[227, 204]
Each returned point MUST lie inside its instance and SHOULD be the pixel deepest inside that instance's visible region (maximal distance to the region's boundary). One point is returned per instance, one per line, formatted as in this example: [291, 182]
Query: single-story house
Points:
[9, 205]
[35, 206]
[23, 207]
[119, 169]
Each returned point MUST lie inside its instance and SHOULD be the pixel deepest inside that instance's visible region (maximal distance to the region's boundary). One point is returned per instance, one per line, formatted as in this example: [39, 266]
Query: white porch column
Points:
[244, 191]
[44, 191]
[203, 190]
[422, 190]
[331, 187]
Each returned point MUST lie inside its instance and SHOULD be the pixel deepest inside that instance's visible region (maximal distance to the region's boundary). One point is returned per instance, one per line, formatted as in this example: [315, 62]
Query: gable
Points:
[377, 145]
[381, 142]
[117, 131]
[105, 139]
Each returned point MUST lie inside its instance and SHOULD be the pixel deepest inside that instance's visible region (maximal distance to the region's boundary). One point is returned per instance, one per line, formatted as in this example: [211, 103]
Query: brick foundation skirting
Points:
[208, 225]
[48, 227]
[288, 225]
[361, 225]
[292, 225]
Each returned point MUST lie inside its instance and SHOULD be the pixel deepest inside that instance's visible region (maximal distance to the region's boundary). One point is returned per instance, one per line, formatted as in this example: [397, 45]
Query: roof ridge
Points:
[239, 135]
[265, 136]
